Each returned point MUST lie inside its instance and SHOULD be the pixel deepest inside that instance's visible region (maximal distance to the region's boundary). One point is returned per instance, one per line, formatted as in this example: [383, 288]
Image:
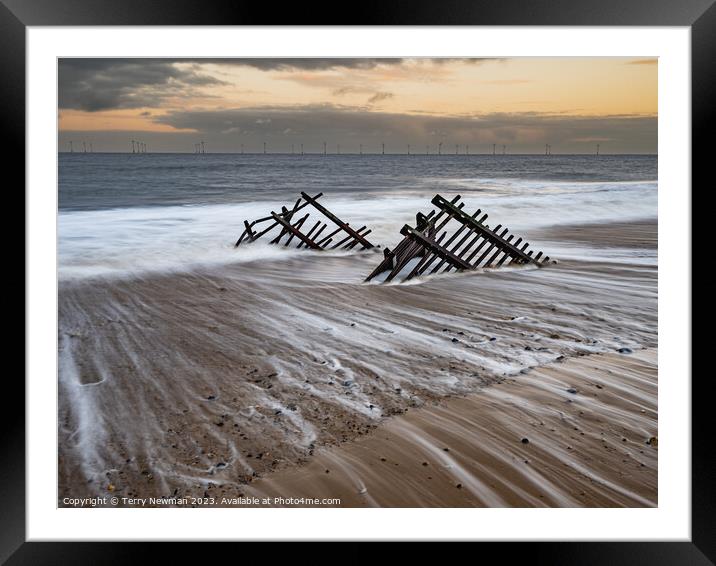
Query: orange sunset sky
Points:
[523, 103]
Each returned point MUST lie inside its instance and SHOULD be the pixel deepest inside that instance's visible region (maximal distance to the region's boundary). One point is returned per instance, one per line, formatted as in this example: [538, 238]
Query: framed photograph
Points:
[422, 276]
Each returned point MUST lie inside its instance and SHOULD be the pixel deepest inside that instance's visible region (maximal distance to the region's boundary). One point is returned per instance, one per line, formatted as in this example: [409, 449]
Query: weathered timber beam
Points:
[296, 208]
[310, 233]
[344, 240]
[426, 258]
[498, 252]
[294, 231]
[450, 241]
[490, 248]
[460, 216]
[337, 221]
[297, 226]
[432, 246]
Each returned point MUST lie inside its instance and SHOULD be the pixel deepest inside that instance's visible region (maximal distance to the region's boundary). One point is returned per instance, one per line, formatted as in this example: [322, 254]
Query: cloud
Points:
[379, 96]
[302, 63]
[314, 124]
[324, 64]
[100, 84]
[103, 84]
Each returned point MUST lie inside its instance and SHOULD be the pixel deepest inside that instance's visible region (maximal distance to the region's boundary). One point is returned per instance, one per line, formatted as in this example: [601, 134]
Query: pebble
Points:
[525, 441]
[572, 390]
[624, 351]
[455, 340]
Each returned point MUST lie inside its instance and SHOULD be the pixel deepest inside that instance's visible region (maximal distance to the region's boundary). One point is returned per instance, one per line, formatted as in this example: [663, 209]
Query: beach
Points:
[285, 376]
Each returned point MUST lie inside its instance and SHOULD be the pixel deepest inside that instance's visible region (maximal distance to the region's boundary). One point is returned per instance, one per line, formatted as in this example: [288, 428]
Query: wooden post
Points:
[337, 221]
[294, 231]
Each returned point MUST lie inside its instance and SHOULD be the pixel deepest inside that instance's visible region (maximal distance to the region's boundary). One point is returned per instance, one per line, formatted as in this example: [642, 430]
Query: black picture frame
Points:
[699, 15]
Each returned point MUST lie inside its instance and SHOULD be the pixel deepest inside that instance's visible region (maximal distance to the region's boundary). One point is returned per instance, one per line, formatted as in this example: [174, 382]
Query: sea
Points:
[121, 214]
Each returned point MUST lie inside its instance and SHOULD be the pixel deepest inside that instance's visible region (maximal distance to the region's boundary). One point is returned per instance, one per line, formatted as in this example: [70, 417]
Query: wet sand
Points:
[244, 378]
[637, 234]
[573, 434]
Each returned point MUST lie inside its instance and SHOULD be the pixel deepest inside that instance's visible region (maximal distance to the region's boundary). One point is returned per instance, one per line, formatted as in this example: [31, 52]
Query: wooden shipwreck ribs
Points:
[470, 246]
[289, 224]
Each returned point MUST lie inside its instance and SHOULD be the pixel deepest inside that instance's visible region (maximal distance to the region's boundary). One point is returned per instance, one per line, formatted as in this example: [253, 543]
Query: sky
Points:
[431, 105]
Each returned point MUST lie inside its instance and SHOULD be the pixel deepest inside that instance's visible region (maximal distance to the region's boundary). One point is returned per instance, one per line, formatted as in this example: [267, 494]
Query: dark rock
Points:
[525, 441]
[211, 397]
[455, 340]
[493, 339]
[572, 390]
[624, 350]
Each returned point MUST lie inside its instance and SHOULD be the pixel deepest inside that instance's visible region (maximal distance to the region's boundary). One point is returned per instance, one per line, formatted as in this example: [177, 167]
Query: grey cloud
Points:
[96, 84]
[304, 63]
[103, 84]
[352, 126]
[378, 96]
[322, 64]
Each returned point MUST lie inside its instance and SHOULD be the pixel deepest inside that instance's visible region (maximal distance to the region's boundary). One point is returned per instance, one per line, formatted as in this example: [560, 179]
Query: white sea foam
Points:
[125, 240]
